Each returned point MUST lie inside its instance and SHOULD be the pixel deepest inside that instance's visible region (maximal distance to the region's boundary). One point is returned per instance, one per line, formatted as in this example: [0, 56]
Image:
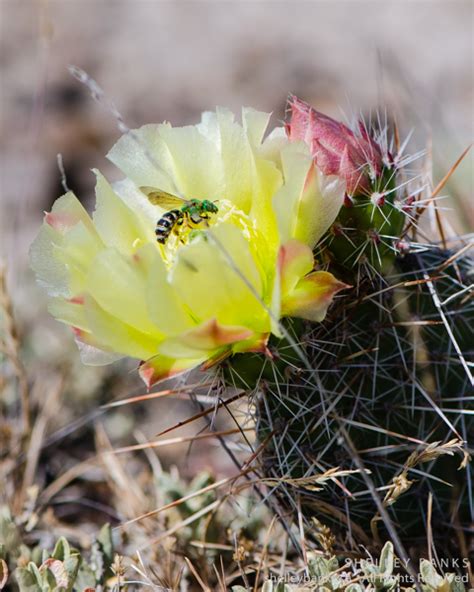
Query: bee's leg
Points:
[204, 217]
[195, 218]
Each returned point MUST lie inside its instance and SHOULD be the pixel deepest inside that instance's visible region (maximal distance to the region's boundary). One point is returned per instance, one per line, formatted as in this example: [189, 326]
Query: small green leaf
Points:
[29, 579]
[430, 575]
[354, 588]
[85, 578]
[104, 538]
[71, 565]
[386, 559]
[62, 550]
[282, 587]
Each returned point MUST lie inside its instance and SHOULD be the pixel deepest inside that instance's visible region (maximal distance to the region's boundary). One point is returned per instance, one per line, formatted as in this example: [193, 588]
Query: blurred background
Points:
[172, 60]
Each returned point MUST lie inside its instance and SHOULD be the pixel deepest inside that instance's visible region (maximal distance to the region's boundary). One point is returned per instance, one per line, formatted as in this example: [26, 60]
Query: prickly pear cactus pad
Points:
[383, 386]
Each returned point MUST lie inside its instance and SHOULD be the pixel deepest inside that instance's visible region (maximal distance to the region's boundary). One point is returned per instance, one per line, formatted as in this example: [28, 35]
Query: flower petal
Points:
[164, 304]
[93, 356]
[66, 212]
[112, 334]
[161, 367]
[304, 294]
[50, 273]
[204, 339]
[117, 224]
[196, 167]
[256, 343]
[70, 311]
[308, 202]
[119, 286]
[255, 123]
[55, 259]
[312, 296]
[216, 276]
[295, 260]
[144, 158]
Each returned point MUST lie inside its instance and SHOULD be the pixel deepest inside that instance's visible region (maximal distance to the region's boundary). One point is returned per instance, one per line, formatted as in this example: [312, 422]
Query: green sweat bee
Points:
[192, 212]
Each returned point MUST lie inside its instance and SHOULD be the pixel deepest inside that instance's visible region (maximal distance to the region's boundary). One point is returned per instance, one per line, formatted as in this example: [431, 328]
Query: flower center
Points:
[194, 224]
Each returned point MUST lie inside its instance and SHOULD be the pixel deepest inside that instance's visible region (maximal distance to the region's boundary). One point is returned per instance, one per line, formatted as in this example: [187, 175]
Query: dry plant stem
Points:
[193, 570]
[52, 392]
[264, 499]
[263, 555]
[182, 500]
[435, 192]
[11, 349]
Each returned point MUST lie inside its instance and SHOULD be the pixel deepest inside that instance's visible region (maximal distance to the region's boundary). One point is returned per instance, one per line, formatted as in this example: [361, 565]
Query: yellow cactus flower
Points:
[217, 285]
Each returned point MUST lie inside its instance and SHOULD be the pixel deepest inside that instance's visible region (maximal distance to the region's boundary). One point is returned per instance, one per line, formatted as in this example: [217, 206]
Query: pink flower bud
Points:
[336, 149]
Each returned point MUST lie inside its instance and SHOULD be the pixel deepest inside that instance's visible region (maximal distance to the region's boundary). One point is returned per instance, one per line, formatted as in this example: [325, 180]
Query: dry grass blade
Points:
[196, 516]
[312, 483]
[196, 575]
[456, 255]
[170, 441]
[52, 391]
[182, 500]
[435, 192]
[129, 496]
[266, 542]
[155, 395]
[400, 483]
[10, 347]
[65, 478]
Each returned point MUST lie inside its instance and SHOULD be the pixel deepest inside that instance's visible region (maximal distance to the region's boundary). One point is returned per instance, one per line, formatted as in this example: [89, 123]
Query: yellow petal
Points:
[117, 224]
[70, 311]
[113, 334]
[295, 260]
[204, 339]
[143, 156]
[51, 273]
[312, 296]
[161, 367]
[304, 294]
[216, 276]
[196, 166]
[308, 202]
[257, 343]
[255, 123]
[262, 212]
[66, 212]
[119, 285]
[77, 251]
[166, 308]
[52, 257]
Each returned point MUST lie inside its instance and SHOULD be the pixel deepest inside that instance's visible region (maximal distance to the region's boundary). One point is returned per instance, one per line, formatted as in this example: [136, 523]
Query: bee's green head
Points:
[209, 206]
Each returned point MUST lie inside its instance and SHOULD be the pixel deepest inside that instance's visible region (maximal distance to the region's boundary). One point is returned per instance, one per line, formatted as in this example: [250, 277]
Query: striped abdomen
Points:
[166, 223]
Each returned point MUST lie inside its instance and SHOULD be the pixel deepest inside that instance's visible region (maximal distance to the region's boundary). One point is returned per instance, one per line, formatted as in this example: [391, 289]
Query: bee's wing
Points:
[165, 200]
